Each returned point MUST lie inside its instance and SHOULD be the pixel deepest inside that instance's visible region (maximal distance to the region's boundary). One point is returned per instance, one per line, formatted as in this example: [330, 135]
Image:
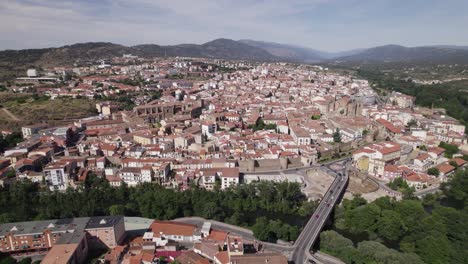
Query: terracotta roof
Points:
[459, 161]
[392, 169]
[445, 168]
[61, 253]
[423, 156]
[191, 257]
[389, 126]
[222, 257]
[270, 258]
[417, 177]
[230, 172]
[436, 150]
[172, 228]
[217, 235]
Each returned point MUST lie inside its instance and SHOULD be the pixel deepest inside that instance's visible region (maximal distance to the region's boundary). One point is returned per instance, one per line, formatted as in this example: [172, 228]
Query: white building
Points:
[58, 175]
[229, 177]
[32, 73]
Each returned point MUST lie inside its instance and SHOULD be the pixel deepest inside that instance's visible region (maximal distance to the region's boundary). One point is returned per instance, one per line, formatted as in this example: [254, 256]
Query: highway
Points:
[311, 231]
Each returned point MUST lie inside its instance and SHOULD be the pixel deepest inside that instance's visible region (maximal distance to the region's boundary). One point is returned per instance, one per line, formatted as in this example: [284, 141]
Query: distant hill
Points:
[219, 48]
[396, 53]
[298, 53]
[13, 63]
[288, 52]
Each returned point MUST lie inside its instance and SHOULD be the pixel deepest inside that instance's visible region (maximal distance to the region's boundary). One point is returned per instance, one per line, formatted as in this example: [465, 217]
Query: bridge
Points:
[310, 233]
[300, 252]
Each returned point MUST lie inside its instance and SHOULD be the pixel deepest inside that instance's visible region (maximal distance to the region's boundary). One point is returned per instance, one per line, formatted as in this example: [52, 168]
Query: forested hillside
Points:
[431, 230]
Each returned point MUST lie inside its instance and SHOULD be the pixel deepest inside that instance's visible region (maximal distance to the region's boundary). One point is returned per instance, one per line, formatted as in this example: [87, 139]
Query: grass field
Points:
[31, 109]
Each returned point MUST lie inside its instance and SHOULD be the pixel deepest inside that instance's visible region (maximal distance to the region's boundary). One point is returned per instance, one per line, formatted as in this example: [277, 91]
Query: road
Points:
[423, 192]
[419, 193]
[10, 114]
[314, 226]
[237, 230]
[298, 253]
[384, 187]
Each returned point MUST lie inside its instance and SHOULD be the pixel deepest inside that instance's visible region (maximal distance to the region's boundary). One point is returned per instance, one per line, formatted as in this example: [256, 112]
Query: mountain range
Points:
[234, 50]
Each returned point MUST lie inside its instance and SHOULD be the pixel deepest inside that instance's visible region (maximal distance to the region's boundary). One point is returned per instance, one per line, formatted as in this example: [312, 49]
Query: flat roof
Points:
[59, 225]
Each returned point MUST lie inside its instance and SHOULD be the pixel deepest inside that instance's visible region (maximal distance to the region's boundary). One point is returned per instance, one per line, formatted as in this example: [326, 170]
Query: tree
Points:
[375, 252]
[456, 190]
[433, 249]
[117, 209]
[408, 193]
[354, 203]
[333, 242]
[262, 231]
[449, 149]
[337, 136]
[27, 260]
[10, 173]
[10, 140]
[453, 164]
[433, 171]
[433, 230]
[390, 226]
[429, 199]
[412, 123]
[411, 212]
[7, 260]
[398, 184]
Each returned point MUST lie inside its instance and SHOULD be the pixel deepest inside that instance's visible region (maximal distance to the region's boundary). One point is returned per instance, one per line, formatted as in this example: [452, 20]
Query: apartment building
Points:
[228, 177]
[37, 236]
[59, 174]
[374, 157]
[133, 176]
[30, 130]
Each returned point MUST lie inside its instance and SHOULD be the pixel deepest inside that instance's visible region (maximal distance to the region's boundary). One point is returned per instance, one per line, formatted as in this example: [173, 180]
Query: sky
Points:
[327, 25]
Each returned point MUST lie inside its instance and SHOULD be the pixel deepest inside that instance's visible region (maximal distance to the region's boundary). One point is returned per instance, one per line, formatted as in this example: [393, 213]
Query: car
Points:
[328, 205]
[316, 216]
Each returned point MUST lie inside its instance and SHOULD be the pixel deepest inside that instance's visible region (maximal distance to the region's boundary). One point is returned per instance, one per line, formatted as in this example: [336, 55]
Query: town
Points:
[184, 123]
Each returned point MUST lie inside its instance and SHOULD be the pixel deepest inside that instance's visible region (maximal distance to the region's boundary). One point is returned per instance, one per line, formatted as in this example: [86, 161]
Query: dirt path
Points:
[12, 116]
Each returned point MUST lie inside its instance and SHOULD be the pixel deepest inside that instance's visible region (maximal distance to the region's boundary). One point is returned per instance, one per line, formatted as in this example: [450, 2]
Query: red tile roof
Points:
[459, 161]
[445, 168]
[172, 228]
[389, 126]
[217, 235]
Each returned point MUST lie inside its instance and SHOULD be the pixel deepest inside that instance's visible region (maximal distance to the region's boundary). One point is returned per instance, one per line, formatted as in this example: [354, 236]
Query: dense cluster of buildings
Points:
[207, 126]
[192, 122]
[412, 144]
[166, 240]
[74, 240]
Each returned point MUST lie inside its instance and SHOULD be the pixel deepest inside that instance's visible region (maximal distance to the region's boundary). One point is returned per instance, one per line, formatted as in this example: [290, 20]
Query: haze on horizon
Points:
[328, 25]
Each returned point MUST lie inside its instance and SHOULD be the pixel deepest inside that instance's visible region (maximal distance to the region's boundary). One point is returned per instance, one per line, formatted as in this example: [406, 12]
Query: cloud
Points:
[322, 24]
